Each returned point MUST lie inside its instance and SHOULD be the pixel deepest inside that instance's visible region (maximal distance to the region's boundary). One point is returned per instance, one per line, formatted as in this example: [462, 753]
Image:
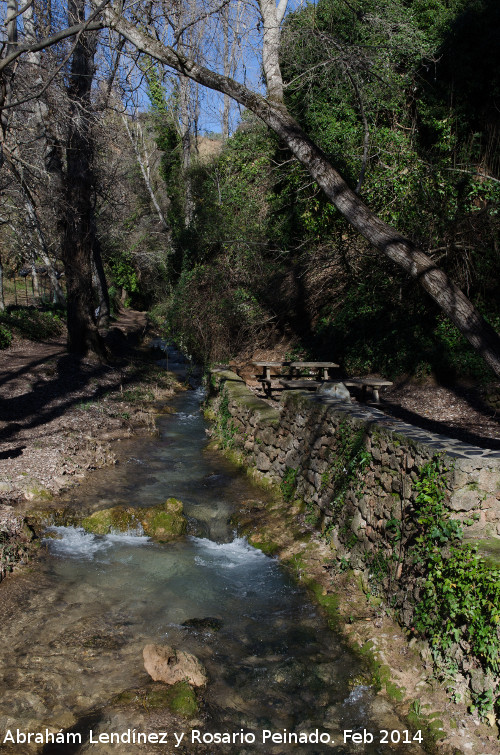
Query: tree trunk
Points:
[78, 225]
[143, 163]
[101, 286]
[2, 300]
[400, 250]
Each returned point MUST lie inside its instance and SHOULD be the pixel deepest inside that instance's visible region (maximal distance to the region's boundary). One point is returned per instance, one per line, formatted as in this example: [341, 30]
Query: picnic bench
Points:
[308, 385]
[373, 383]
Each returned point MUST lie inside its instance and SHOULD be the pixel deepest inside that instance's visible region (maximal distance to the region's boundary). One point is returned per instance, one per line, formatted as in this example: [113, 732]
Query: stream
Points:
[75, 624]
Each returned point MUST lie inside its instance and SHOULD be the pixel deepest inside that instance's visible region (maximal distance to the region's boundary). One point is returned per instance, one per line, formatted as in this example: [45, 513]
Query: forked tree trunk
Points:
[389, 241]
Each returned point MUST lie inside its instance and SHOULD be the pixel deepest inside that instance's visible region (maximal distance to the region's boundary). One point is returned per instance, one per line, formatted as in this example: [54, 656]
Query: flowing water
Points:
[74, 628]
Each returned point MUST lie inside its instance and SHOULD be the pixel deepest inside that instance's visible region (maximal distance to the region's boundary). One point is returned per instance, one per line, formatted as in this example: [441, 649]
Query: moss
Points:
[329, 602]
[394, 692]
[127, 697]
[183, 700]
[162, 523]
[39, 492]
[180, 698]
[116, 519]
[166, 523]
[489, 548]
[269, 547]
[430, 726]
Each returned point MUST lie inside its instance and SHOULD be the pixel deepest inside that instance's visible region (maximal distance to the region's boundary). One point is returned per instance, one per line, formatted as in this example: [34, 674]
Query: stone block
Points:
[262, 462]
[489, 480]
[465, 499]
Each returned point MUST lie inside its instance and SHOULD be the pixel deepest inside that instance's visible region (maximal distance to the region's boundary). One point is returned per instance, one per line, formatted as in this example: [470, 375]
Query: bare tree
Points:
[79, 241]
[136, 137]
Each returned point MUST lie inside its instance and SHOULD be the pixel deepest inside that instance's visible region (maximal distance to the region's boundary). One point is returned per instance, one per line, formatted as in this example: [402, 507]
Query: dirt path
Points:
[58, 414]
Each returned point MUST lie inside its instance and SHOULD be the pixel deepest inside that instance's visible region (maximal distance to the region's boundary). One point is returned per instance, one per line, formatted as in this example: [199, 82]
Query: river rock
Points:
[209, 624]
[165, 664]
[162, 523]
[115, 519]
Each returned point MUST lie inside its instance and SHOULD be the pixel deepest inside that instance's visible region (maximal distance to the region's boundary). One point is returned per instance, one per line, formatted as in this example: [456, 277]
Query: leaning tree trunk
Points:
[482, 337]
[78, 224]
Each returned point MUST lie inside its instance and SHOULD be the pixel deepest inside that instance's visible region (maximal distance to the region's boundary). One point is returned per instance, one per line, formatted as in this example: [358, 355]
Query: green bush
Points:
[5, 337]
[32, 323]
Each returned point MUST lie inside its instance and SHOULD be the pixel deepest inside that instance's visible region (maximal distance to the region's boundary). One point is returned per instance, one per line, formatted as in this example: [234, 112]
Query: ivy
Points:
[288, 483]
[460, 596]
[348, 463]
[225, 427]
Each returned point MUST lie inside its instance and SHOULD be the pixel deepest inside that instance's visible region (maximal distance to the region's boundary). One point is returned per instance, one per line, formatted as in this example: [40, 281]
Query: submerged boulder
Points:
[162, 523]
[165, 664]
[208, 624]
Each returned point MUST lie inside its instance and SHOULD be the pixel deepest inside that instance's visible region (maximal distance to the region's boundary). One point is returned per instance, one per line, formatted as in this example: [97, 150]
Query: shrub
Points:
[5, 337]
[32, 323]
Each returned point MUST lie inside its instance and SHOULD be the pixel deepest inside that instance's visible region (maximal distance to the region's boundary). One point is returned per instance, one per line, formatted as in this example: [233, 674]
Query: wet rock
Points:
[115, 519]
[162, 523]
[165, 664]
[209, 623]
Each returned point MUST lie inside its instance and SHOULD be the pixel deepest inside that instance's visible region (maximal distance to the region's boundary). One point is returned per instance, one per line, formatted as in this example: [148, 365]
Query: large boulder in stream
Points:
[162, 523]
[165, 664]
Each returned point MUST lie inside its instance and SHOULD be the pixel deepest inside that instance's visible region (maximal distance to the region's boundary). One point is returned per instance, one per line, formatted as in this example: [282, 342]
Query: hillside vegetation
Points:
[404, 98]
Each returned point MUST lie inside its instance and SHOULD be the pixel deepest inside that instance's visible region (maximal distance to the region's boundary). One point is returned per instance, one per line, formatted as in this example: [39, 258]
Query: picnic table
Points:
[267, 367]
[294, 370]
[293, 381]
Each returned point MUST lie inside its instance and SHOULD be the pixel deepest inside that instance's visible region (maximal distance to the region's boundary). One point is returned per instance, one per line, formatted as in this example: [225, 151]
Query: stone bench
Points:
[373, 383]
[308, 385]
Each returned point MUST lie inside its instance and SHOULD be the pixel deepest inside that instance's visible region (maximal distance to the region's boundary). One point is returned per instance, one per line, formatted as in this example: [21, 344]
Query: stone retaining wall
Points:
[355, 469]
[303, 435]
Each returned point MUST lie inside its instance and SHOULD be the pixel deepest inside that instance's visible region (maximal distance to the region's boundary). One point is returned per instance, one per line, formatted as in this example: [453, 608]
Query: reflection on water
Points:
[76, 638]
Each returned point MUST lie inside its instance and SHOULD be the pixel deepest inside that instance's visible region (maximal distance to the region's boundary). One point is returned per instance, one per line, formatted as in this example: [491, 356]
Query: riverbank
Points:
[63, 418]
[289, 450]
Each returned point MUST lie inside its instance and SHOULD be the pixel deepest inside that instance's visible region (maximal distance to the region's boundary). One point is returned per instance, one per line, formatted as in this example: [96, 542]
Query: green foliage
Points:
[265, 252]
[425, 172]
[31, 323]
[124, 273]
[460, 597]
[288, 484]
[224, 425]
[347, 463]
[211, 314]
[5, 337]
